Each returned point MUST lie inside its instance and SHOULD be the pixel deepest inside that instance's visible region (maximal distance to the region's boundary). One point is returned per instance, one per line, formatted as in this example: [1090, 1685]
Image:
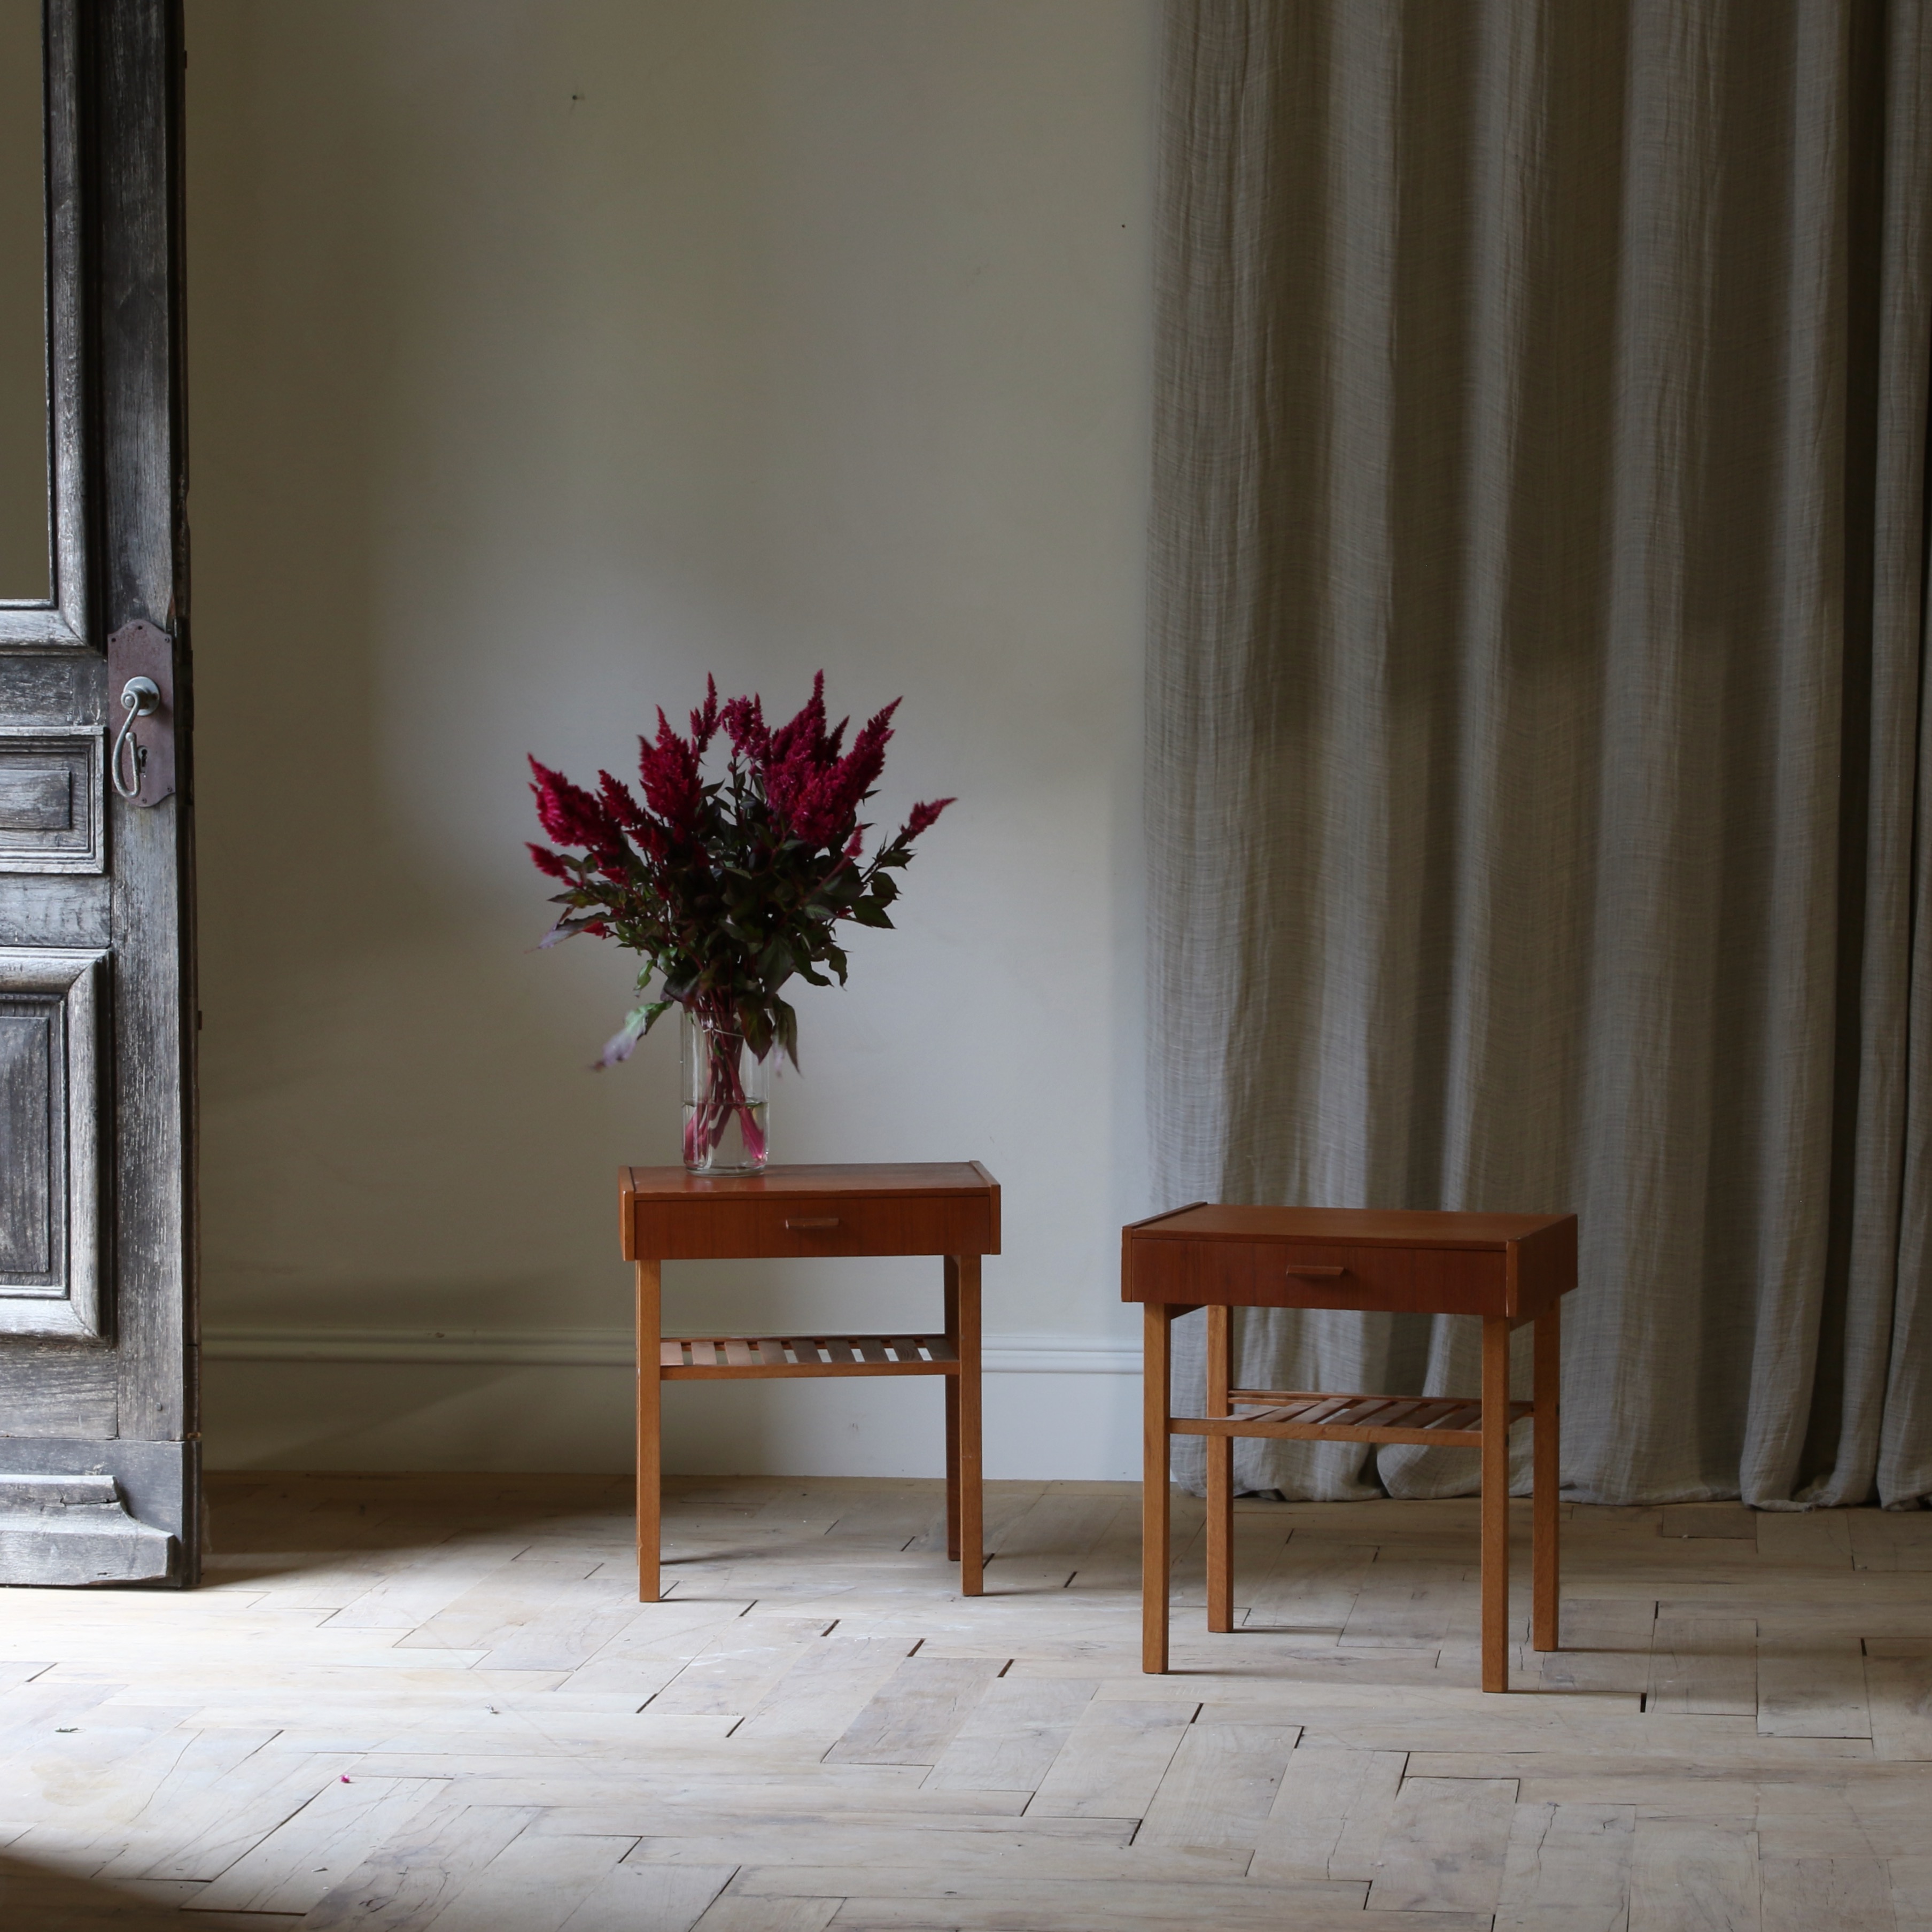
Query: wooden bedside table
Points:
[951, 1210]
[1507, 1268]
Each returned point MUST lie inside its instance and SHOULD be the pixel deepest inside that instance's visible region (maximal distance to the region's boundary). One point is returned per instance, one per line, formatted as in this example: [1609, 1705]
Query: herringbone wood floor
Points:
[406, 1703]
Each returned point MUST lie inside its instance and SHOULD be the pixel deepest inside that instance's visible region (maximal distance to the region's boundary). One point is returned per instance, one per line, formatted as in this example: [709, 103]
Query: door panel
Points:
[50, 1087]
[97, 1311]
[51, 815]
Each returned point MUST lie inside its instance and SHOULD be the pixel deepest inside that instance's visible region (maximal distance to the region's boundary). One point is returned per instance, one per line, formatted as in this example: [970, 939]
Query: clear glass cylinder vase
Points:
[727, 1096]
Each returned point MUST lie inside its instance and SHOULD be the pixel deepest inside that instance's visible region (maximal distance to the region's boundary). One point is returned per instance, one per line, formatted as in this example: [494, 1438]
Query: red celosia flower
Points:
[674, 787]
[922, 817]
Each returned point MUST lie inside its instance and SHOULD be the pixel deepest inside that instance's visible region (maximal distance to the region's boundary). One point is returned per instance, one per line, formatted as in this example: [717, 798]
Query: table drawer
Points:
[1306, 1275]
[747, 1227]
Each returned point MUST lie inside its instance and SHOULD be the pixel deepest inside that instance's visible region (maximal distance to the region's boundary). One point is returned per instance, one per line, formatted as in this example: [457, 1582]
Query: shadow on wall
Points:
[440, 1416]
[380, 1416]
[394, 1105]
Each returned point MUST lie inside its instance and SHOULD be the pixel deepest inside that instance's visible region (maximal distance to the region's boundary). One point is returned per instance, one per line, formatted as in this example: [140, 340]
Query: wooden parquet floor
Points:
[433, 1701]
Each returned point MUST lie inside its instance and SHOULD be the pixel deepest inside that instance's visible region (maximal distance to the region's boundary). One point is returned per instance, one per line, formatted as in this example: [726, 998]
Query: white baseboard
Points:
[399, 1399]
[1011, 1354]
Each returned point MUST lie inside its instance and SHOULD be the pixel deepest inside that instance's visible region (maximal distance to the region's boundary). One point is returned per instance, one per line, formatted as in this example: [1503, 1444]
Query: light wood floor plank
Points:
[1015, 1855]
[1113, 1761]
[1848, 1895]
[1694, 1875]
[413, 1875]
[1899, 1690]
[1891, 1539]
[1572, 1859]
[735, 1913]
[1131, 1898]
[1911, 1876]
[407, 1596]
[632, 1897]
[532, 1885]
[300, 1862]
[1148, 1909]
[1445, 1846]
[1403, 1603]
[1220, 1786]
[732, 1674]
[1729, 1522]
[1010, 1738]
[207, 1831]
[1806, 1539]
[1607, 1646]
[1329, 1817]
[918, 1712]
[1309, 1587]
[1815, 1689]
[1704, 1666]
[822, 1694]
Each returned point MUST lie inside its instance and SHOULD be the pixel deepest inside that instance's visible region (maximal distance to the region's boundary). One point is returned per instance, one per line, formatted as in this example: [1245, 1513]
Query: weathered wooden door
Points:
[99, 1467]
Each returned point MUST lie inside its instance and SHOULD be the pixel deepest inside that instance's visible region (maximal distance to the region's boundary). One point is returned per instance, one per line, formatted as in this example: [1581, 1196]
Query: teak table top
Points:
[1352, 1227]
[937, 1176]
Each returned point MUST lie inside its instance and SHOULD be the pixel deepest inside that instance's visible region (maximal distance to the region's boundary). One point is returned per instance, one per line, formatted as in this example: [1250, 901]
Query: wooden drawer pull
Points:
[815, 1221]
[1317, 1273]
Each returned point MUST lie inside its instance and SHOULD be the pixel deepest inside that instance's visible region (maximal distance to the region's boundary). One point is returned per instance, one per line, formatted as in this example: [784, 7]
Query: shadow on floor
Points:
[33, 1899]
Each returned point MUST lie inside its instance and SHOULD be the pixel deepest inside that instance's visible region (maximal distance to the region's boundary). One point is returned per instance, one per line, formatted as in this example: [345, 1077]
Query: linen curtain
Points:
[1538, 757]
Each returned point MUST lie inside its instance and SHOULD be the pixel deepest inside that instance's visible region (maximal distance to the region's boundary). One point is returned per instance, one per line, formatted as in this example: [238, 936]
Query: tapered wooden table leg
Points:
[952, 1385]
[1546, 1504]
[1156, 1380]
[650, 1430]
[1220, 1474]
[963, 1271]
[1495, 1503]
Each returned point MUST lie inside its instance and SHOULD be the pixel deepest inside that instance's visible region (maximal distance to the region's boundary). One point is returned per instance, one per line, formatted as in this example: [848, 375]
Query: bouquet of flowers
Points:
[727, 887]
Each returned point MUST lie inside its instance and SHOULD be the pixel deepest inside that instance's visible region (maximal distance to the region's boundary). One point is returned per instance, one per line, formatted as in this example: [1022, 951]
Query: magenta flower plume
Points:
[744, 720]
[803, 742]
[922, 819]
[814, 792]
[572, 817]
[704, 719]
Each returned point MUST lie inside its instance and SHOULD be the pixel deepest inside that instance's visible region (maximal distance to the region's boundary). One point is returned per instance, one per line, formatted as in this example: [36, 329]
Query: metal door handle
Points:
[140, 697]
[1316, 1273]
[816, 1221]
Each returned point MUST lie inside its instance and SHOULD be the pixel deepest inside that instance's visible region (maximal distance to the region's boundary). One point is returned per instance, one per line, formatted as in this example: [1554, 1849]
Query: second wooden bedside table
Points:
[949, 1209]
[1507, 1268]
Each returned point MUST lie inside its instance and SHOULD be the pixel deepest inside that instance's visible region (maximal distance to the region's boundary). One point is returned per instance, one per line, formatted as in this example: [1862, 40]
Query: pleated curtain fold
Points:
[1537, 808]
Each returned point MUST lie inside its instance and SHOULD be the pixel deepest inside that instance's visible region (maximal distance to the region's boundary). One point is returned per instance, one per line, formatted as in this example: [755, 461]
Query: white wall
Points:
[545, 356]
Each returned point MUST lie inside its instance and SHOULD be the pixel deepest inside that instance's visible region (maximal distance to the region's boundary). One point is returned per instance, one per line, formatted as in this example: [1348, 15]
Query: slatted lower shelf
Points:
[715, 1358]
[1307, 1417]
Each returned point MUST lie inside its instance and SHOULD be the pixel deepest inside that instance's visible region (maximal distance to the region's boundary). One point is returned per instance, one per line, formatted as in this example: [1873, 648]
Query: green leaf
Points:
[636, 1023]
[569, 929]
[784, 1023]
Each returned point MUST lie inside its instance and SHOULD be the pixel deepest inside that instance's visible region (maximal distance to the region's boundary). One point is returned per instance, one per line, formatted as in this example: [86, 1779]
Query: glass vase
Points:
[726, 1095]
